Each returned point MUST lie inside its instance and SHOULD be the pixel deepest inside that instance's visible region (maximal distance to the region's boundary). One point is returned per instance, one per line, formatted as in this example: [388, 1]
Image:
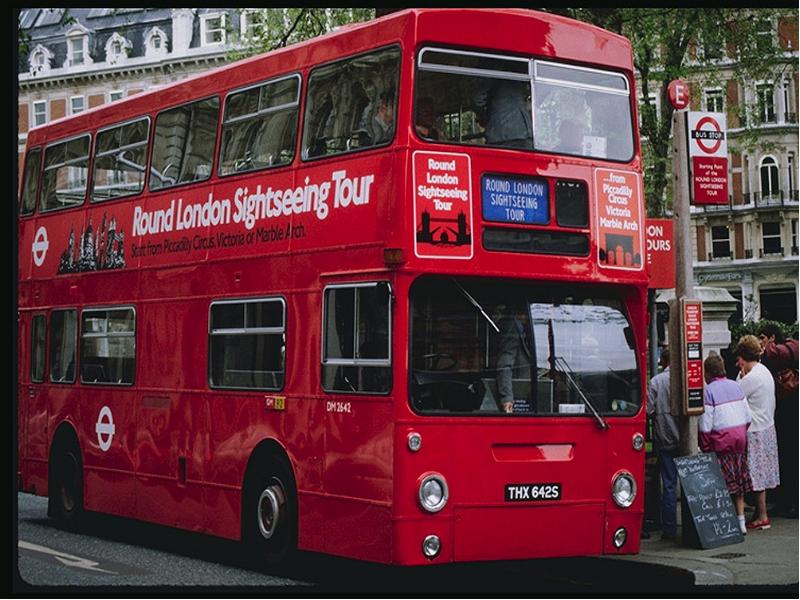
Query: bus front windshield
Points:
[483, 347]
[512, 102]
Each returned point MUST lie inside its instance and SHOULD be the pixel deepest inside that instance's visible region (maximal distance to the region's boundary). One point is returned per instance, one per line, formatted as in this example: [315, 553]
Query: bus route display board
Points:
[705, 498]
[692, 327]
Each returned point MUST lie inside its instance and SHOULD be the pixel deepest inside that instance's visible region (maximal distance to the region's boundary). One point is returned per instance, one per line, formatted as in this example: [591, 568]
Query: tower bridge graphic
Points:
[452, 232]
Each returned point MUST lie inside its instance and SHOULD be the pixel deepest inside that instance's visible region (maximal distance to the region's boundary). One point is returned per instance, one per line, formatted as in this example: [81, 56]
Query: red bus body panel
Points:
[181, 449]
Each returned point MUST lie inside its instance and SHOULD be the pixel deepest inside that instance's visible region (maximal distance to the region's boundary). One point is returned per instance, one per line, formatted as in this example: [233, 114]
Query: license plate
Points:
[531, 492]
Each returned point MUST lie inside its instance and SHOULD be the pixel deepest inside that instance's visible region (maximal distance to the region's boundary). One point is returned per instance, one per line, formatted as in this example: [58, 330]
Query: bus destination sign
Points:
[515, 200]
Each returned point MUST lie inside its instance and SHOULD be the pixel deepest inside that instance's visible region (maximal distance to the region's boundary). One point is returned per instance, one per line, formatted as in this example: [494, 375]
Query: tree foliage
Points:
[275, 28]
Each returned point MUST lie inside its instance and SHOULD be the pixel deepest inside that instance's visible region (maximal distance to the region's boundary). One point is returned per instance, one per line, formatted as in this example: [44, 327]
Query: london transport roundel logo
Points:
[105, 428]
[40, 246]
[709, 146]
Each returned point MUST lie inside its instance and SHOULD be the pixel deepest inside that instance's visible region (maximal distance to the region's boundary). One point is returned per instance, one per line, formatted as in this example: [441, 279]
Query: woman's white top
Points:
[759, 387]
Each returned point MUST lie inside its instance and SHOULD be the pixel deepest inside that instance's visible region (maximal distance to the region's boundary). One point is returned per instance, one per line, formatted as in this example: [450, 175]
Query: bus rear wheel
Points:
[269, 519]
[65, 497]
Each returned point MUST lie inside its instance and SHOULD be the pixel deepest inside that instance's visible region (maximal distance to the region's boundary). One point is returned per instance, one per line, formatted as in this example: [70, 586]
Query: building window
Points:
[794, 236]
[155, 42]
[252, 24]
[212, 29]
[714, 101]
[77, 50]
[771, 236]
[108, 346]
[247, 341]
[356, 342]
[765, 35]
[39, 60]
[779, 304]
[765, 98]
[76, 104]
[117, 48]
[115, 95]
[720, 242]
[770, 186]
[39, 113]
[790, 179]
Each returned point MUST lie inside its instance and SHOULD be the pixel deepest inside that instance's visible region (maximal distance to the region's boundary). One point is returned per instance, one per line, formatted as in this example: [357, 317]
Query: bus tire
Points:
[65, 488]
[269, 512]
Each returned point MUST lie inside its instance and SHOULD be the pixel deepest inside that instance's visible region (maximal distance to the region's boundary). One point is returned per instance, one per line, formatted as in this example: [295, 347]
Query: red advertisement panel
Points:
[442, 205]
[620, 219]
[660, 253]
[693, 317]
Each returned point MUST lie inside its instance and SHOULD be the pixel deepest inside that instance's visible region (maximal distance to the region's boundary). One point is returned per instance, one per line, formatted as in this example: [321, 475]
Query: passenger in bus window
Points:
[382, 124]
[513, 356]
[506, 109]
[426, 118]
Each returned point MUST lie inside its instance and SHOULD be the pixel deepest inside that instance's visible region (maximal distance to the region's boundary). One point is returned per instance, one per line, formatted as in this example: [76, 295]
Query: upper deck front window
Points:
[488, 99]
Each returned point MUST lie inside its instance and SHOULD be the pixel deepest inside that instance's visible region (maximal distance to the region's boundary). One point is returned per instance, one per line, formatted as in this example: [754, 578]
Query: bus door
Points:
[357, 379]
[107, 408]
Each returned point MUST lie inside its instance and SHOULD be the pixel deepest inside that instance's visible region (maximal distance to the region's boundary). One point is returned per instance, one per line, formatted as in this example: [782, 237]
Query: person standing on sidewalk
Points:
[722, 429]
[780, 356]
[762, 444]
[667, 442]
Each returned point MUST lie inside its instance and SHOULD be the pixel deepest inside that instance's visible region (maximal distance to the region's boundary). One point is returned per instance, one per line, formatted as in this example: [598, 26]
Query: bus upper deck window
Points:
[351, 104]
[175, 161]
[66, 168]
[30, 182]
[260, 126]
[120, 160]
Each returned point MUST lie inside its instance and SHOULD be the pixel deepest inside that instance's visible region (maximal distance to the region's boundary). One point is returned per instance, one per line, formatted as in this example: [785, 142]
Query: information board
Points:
[692, 316]
[515, 200]
[706, 500]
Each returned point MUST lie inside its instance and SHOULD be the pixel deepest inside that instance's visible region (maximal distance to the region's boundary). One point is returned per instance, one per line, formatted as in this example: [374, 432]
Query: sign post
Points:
[683, 369]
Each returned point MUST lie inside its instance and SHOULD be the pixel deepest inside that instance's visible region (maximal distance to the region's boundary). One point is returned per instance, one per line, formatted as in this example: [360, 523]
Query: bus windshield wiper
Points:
[560, 360]
[476, 305]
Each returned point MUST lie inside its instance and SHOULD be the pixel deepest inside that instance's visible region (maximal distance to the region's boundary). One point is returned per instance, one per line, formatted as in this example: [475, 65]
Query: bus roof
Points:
[520, 31]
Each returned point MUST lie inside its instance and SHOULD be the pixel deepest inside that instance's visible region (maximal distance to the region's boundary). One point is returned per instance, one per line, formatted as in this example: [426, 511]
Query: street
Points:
[111, 551]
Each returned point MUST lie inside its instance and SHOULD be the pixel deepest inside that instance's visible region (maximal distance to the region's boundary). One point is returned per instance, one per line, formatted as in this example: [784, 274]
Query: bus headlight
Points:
[623, 489]
[638, 442]
[433, 492]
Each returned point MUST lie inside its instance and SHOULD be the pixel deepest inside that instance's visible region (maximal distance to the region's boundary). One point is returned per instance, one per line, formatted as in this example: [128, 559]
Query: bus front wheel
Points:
[65, 491]
[270, 512]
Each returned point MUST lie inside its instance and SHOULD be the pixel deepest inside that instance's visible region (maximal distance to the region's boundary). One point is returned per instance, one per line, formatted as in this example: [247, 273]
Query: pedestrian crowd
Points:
[750, 424]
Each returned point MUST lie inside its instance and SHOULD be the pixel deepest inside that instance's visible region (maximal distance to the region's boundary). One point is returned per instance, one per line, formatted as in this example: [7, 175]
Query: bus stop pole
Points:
[684, 283]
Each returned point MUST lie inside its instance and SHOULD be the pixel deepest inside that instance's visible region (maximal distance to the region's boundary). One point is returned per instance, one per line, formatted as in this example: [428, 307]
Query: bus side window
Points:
[357, 339]
[351, 104]
[120, 160]
[183, 145]
[66, 168]
[63, 332]
[108, 346]
[38, 341]
[259, 129]
[30, 182]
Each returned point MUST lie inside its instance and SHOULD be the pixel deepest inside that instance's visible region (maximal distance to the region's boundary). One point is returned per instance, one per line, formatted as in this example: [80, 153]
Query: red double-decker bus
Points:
[379, 294]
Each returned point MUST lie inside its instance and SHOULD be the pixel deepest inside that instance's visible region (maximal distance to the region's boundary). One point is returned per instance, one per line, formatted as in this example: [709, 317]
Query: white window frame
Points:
[771, 163]
[149, 39]
[112, 93]
[34, 113]
[762, 111]
[712, 97]
[245, 24]
[40, 52]
[78, 35]
[205, 30]
[72, 99]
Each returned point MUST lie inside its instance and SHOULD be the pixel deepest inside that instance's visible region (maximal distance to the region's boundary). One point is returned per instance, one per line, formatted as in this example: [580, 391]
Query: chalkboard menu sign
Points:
[706, 500]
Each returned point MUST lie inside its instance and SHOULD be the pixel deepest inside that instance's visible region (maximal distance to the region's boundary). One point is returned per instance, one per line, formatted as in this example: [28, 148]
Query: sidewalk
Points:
[765, 558]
